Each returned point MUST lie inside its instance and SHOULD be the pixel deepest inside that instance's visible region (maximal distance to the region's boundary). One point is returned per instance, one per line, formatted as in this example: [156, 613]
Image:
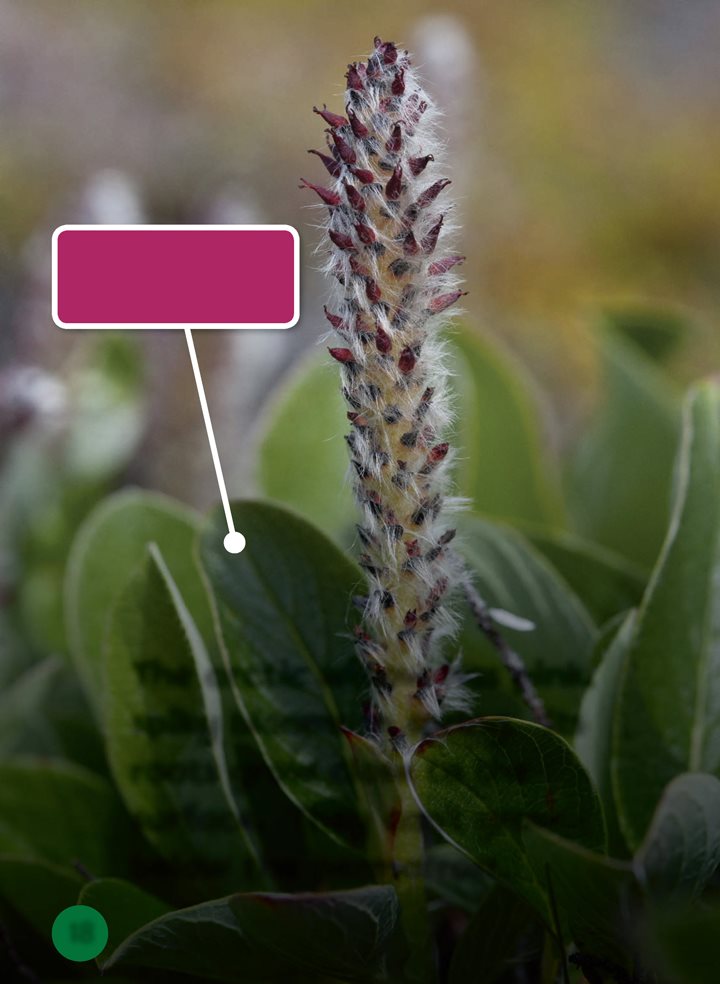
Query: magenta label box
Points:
[142, 277]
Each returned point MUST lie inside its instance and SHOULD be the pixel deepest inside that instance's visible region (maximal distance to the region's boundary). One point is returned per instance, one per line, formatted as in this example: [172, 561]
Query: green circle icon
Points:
[80, 933]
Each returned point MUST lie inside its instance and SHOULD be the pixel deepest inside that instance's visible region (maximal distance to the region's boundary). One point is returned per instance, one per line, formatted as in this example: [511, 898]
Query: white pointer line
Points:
[234, 542]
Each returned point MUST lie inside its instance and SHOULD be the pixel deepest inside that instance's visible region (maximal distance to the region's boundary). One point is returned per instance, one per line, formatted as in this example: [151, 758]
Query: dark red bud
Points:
[354, 79]
[398, 84]
[342, 355]
[344, 148]
[364, 177]
[410, 619]
[413, 548]
[430, 241]
[389, 53]
[410, 245]
[341, 240]
[354, 197]
[330, 163]
[441, 673]
[394, 732]
[441, 303]
[442, 266]
[365, 234]
[393, 188]
[333, 119]
[437, 453]
[358, 128]
[328, 196]
[418, 164]
[407, 360]
[357, 268]
[373, 291]
[335, 320]
[383, 342]
[394, 144]
[431, 193]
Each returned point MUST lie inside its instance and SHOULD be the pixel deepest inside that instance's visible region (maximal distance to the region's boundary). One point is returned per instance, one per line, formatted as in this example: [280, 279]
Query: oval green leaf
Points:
[125, 906]
[63, 814]
[302, 455]
[479, 782]
[668, 715]
[109, 546]
[505, 466]
[621, 475]
[681, 850]
[157, 731]
[333, 937]
[282, 608]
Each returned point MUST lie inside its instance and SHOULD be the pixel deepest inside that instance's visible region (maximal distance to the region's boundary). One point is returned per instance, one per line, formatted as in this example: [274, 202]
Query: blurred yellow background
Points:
[584, 141]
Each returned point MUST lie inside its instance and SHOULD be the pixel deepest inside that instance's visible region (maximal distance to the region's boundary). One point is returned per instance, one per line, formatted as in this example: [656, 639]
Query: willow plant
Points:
[387, 230]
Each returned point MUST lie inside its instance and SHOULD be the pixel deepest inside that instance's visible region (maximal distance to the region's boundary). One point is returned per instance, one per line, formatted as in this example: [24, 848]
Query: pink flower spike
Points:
[431, 193]
[358, 128]
[363, 176]
[328, 196]
[442, 266]
[418, 164]
[341, 240]
[344, 148]
[443, 302]
[342, 355]
[354, 79]
[330, 163]
[354, 197]
[332, 119]
[393, 188]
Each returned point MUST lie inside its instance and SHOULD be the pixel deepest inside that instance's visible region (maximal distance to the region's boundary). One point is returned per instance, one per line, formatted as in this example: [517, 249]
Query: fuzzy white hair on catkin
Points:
[382, 202]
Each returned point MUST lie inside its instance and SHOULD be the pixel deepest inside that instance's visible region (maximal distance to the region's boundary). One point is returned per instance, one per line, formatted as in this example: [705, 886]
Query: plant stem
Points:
[408, 863]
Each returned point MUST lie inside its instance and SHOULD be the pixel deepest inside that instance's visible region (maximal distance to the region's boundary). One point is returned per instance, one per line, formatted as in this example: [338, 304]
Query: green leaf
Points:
[282, 608]
[597, 896]
[503, 466]
[683, 945]
[338, 936]
[621, 476]
[489, 945]
[63, 813]
[668, 716]
[454, 878]
[605, 583]
[480, 781]
[302, 455]
[656, 332]
[108, 416]
[158, 735]
[126, 909]
[109, 546]
[44, 712]
[681, 850]
[593, 739]
[37, 890]
[510, 574]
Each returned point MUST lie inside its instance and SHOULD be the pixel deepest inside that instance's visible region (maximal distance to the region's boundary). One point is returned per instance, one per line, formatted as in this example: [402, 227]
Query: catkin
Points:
[386, 227]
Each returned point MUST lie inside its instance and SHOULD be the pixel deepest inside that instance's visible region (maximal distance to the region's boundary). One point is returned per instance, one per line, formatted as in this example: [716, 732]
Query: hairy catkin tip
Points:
[394, 284]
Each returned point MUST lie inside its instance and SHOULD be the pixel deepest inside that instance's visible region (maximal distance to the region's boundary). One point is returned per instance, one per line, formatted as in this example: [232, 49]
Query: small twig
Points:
[510, 659]
[83, 871]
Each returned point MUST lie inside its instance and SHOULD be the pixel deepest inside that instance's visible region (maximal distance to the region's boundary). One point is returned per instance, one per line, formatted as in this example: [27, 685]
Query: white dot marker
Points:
[234, 542]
